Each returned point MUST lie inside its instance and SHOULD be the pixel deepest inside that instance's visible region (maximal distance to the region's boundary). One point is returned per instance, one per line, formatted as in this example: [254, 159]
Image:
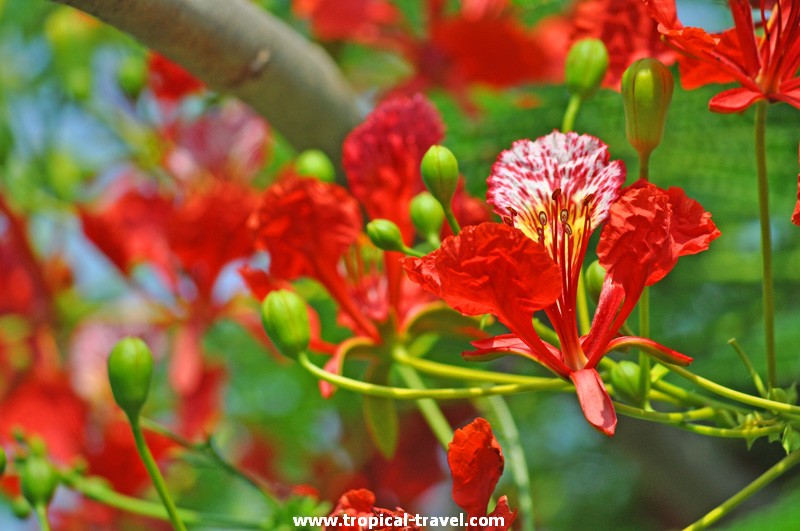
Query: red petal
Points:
[502, 510]
[200, 410]
[796, 213]
[359, 20]
[594, 400]
[186, 365]
[491, 268]
[168, 80]
[657, 350]
[476, 464]
[734, 100]
[382, 157]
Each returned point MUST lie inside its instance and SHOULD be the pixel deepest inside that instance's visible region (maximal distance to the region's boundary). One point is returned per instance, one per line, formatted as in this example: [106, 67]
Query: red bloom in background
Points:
[169, 81]
[627, 30]
[765, 65]
[476, 464]
[553, 193]
[357, 20]
[315, 229]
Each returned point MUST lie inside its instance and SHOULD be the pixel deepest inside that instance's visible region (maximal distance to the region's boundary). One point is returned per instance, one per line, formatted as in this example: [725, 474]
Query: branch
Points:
[237, 48]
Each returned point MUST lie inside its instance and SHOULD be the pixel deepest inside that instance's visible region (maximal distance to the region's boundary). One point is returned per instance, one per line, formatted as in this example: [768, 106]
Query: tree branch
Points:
[237, 48]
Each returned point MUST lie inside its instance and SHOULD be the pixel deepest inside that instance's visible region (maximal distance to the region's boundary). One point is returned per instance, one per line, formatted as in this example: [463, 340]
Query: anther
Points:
[542, 218]
[564, 215]
[567, 229]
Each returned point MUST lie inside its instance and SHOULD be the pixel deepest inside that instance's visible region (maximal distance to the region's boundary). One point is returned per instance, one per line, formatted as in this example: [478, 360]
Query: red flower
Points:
[476, 464]
[358, 20]
[554, 192]
[169, 81]
[764, 65]
[315, 229]
[625, 28]
[360, 504]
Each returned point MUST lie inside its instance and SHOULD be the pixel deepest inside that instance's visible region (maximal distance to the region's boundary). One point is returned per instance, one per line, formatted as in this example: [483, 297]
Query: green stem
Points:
[400, 393]
[430, 409]
[41, 515]
[762, 481]
[750, 369]
[644, 165]
[502, 419]
[768, 287]
[644, 359]
[571, 113]
[209, 450]
[451, 220]
[478, 375]
[721, 390]
[155, 474]
[106, 496]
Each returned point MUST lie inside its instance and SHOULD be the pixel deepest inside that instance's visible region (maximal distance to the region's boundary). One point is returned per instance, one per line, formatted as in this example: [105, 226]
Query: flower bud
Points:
[440, 173]
[314, 163]
[38, 480]
[130, 372]
[385, 235]
[595, 276]
[20, 508]
[625, 380]
[427, 215]
[586, 66]
[646, 93]
[285, 318]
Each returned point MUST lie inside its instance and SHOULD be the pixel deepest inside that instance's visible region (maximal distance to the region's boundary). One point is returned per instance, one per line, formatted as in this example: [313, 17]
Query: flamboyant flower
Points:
[762, 58]
[357, 20]
[476, 464]
[316, 229]
[552, 194]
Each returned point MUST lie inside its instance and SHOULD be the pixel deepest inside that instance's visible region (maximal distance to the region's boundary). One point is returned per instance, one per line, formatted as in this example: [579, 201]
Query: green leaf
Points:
[790, 440]
[380, 414]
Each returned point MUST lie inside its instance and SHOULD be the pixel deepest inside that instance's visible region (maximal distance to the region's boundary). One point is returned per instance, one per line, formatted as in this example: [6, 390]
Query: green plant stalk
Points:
[150, 509]
[744, 398]
[450, 216]
[768, 288]
[502, 419]
[574, 105]
[429, 408]
[644, 359]
[584, 323]
[750, 369]
[444, 370]
[759, 483]
[400, 393]
[155, 474]
[208, 450]
[41, 515]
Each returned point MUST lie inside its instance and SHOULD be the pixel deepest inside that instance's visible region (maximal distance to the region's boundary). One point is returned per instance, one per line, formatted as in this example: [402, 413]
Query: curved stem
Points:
[768, 288]
[644, 359]
[762, 481]
[155, 474]
[400, 393]
[501, 417]
[721, 390]
[451, 219]
[102, 494]
[429, 408]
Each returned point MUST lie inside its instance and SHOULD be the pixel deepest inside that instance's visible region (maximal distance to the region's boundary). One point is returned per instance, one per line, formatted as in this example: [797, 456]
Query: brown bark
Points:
[237, 48]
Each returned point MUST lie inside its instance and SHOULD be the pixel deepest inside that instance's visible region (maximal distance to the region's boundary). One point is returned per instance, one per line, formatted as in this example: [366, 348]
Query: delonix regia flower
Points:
[552, 194]
[763, 58]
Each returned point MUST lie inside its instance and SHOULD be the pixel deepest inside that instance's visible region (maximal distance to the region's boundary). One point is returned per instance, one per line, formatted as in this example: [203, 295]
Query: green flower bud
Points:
[595, 276]
[646, 93]
[440, 173]
[385, 235]
[625, 380]
[315, 163]
[132, 75]
[130, 372]
[20, 508]
[38, 480]
[285, 320]
[427, 215]
[586, 66]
